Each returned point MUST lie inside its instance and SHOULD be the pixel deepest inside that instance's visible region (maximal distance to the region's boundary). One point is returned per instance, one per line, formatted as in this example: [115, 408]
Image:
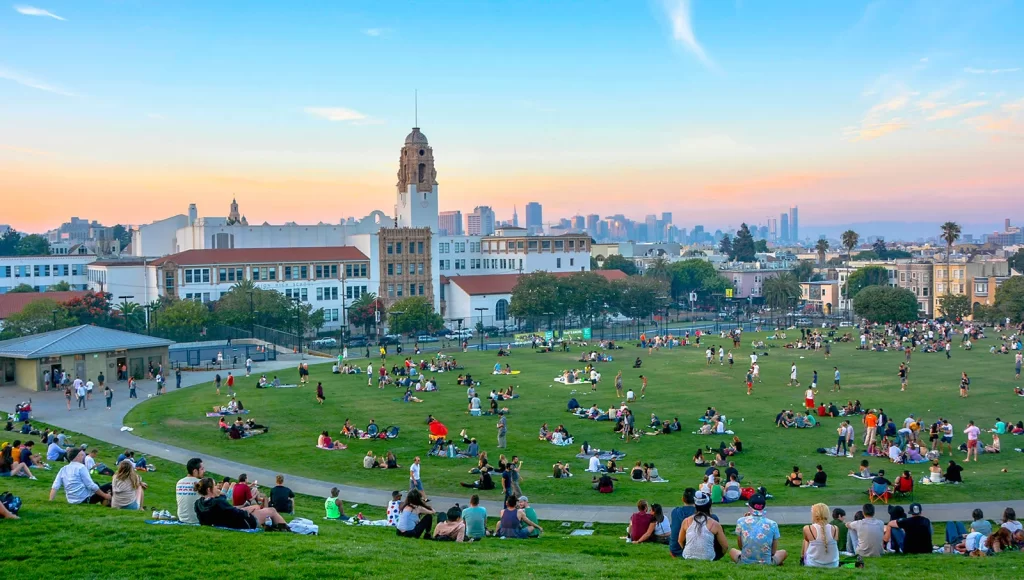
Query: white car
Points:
[845, 324]
[325, 343]
[426, 338]
[464, 334]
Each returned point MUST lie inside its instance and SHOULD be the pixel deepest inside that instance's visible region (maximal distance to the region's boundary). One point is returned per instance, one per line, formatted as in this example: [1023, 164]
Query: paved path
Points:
[98, 423]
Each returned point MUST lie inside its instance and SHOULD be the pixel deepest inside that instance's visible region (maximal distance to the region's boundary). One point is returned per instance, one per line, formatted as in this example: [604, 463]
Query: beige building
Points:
[822, 296]
[917, 277]
[405, 264]
[959, 276]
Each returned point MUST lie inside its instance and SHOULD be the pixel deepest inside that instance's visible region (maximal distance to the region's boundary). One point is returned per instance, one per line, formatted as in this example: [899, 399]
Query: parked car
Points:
[324, 343]
[390, 339]
[845, 324]
[803, 321]
[464, 334]
[426, 338]
[357, 341]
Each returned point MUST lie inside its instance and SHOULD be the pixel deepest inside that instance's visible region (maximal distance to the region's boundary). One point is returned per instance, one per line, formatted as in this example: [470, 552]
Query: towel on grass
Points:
[177, 523]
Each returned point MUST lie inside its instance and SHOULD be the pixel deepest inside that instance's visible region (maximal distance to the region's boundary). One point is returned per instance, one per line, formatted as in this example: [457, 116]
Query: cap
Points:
[915, 509]
[701, 498]
[756, 502]
[523, 498]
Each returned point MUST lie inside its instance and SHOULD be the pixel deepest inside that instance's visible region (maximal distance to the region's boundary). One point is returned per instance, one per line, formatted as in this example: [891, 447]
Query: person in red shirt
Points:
[243, 494]
[231, 381]
[641, 524]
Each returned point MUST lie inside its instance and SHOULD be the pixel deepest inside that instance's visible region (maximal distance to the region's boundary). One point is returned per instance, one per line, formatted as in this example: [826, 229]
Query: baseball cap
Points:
[756, 502]
[915, 509]
[701, 498]
[524, 499]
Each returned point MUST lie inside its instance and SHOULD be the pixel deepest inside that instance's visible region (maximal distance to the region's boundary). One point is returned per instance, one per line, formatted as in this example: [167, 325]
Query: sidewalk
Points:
[98, 423]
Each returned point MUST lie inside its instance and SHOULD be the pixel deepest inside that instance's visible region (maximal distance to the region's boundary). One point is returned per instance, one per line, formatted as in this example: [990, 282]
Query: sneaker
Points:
[33, 478]
[157, 515]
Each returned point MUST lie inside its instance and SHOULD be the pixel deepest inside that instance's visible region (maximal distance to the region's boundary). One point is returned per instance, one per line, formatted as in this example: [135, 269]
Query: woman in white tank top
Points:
[820, 548]
[699, 532]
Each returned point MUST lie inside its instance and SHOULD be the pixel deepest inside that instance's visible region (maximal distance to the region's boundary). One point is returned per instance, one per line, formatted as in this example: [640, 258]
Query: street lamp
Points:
[394, 314]
[481, 310]
[298, 321]
[632, 311]
[149, 308]
[124, 304]
[54, 312]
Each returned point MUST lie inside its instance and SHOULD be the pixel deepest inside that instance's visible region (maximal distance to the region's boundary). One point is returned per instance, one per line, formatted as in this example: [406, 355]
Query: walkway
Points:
[100, 424]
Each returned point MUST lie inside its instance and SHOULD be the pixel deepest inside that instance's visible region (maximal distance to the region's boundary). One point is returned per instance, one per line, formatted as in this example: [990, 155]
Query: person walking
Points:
[131, 388]
[80, 393]
[973, 433]
[46, 380]
[415, 483]
[108, 394]
[502, 427]
[835, 381]
[177, 378]
[248, 366]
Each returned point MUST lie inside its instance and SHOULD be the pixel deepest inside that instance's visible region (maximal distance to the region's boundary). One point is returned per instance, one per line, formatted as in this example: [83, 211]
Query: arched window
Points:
[501, 310]
[422, 172]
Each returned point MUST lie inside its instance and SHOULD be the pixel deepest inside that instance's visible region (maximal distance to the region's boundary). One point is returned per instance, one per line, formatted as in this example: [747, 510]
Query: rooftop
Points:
[76, 340]
[15, 302]
[504, 283]
[262, 256]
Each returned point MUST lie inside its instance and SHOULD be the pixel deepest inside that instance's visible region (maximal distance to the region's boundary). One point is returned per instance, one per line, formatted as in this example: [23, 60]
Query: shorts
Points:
[593, 381]
[947, 439]
[521, 533]
[903, 380]
[972, 443]
[132, 506]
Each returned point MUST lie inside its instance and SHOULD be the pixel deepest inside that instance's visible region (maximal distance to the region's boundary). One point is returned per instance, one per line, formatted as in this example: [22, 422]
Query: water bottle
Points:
[269, 522]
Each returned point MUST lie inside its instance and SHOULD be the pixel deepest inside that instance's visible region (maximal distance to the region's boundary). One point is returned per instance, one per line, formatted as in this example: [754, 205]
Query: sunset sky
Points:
[719, 111]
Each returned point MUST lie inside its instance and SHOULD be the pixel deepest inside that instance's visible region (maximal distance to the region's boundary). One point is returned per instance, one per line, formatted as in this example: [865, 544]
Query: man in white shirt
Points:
[248, 366]
[89, 385]
[414, 475]
[753, 358]
[595, 464]
[185, 491]
[80, 393]
[78, 485]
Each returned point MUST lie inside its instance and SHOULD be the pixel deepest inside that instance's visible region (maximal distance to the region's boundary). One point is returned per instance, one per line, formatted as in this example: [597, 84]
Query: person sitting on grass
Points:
[637, 473]
[757, 537]
[213, 509]
[821, 540]
[334, 507]
[700, 536]
[917, 531]
[641, 524]
[452, 529]
[560, 470]
[820, 477]
[868, 533]
[246, 494]
[414, 517]
[604, 483]
[127, 488]
[513, 523]
[10, 467]
[486, 482]
[953, 473]
[795, 479]
[698, 459]
[282, 498]
[79, 487]
[325, 442]
[370, 462]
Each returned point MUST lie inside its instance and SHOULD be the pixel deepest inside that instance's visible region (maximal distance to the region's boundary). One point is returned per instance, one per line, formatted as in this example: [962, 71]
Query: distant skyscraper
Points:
[784, 228]
[579, 223]
[666, 218]
[592, 224]
[450, 223]
[794, 228]
[480, 222]
[651, 229]
[515, 217]
[534, 218]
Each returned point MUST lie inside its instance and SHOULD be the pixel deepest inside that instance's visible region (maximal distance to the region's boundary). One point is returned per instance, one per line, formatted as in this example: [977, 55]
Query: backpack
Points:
[11, 502]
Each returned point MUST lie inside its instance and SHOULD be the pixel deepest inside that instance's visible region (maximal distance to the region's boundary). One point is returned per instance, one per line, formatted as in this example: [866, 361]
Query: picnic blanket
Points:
[342, 448]
[603, 456]
[227, 413]
[177, 523]
[282, 386]
[861, 477]
[504, 373]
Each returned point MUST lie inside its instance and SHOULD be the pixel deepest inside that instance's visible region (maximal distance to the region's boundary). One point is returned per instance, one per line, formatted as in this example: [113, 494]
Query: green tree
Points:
[725, 246]
[955, 306]
[92, 308]
[821, 246]
[246, 304]
[618, 262]
[413, 315]
[950, 234]
[866, 256]
[1009, 302]
[861, 278]
[761, 246]
[880, 249]
[658, 268]
[23, 287]
[639, 297]
[695, 275]
[131, 317]
[181, 320]
[9, 242]
[62, 286]
[33, 245]
[122, 234]
[898, 254]
[886, 304]
[534, 295]
[311, 321]
[781, 292]
[850, 240]
[585, 295]
[365, 310]
[1016, 261]
[37, 316]
[985, 313]
[804, 271]
[743, 245]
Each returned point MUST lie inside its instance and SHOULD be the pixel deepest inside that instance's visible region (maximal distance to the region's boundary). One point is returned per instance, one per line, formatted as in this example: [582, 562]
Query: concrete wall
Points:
[29, 373]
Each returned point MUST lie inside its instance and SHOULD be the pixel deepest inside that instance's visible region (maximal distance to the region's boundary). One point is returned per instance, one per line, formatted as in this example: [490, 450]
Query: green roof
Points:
[76, 340]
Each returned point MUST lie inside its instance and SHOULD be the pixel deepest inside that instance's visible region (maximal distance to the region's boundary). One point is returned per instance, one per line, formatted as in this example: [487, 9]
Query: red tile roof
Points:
[504, 283]
[262, 256]
[15, 302]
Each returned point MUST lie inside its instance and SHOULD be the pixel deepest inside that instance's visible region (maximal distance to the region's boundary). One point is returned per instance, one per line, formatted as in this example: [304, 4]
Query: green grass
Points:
[680, 385]
[54, 540]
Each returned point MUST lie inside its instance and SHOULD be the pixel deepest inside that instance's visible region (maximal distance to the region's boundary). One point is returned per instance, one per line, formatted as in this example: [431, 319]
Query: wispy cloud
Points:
[27, 81]
[33, 11]
[990, 71]
[335, 113]
[1007, 123]
[680, 15]
[869, 131]
[377, 32]
[955, 110]
[24, 150]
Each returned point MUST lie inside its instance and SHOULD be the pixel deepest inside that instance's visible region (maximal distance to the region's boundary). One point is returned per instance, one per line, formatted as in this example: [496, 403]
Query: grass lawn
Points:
[56, 540]
[681, 385]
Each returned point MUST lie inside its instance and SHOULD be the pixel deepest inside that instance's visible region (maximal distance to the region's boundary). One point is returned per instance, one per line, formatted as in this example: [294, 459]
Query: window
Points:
[558, 262]
[398, 247]
[532, 245]
[572, 262]
[443, 247]
[559, 245]
[545, 245]
[272, 273]
[924, 291]
[287, 272]
[419, 268]
[188, 276]
[391, 269]
[391, 290]
[501, 309]
[939, 288]
[398, 269]
[503, 263]
[348, 291]
[303, 272]
[319, 272]
[319, 293]
[903, 276]
[362, 270]
[169, 283]
[391, 248]
[303, 296]
[255, 273]
[398, 290]
[412, 289]
[419, 247]
[421, 289]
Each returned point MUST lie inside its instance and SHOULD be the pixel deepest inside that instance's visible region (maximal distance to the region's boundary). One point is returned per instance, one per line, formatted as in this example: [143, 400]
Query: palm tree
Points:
[658, 268]
[850, 240]
[131, 314]
[950, 234]
[821, 247]
[779, 291]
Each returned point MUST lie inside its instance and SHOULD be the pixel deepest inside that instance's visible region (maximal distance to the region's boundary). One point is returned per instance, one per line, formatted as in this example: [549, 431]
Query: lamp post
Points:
[54, 312]
[149, 308]
[124, 304]
[298, 321]
[632, 312]
[481, 310]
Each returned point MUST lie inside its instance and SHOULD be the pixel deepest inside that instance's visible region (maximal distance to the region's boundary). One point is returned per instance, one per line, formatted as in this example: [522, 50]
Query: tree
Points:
[658, 268]
[131, 316]
[725, 246]
[850, 240]
[886, 304]
[880, 248]
[780, 292]
[804, 271]
[985, 313]
[62, 286]
[638, 297]
[310, 321]
[1009, 302]
[122, 234]
[950, 234]
[821, 246]
[33, 245]
[23, 287]
[37, 316]
[618, 262]
[535, 295]
[92, 308]
[1016, 261]
[695, 275]
[743, 245]
[182, 320]
[861, 278]
[761, 246]
[414, 314]
[955, 306]
[246, 304]
[9, 242]
[585, 294]
[365, 310]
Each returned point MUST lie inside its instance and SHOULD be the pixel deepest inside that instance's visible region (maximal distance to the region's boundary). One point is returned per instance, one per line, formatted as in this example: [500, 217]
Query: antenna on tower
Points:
[416, 107]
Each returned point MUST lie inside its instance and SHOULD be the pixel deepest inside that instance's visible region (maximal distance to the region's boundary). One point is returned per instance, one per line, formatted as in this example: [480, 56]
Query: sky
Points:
[720, 111]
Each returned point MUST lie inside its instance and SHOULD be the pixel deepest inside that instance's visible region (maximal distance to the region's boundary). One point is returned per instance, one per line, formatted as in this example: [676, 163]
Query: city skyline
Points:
[897, 104]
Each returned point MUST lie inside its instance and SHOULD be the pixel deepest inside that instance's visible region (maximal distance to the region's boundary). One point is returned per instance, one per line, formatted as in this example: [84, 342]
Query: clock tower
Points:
[417, 184]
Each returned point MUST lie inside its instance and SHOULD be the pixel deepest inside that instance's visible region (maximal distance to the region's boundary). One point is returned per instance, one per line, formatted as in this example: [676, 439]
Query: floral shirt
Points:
[757, 533]
[393, 512]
